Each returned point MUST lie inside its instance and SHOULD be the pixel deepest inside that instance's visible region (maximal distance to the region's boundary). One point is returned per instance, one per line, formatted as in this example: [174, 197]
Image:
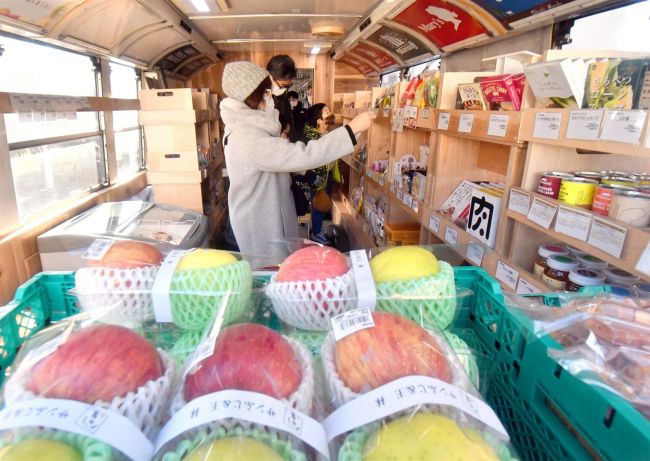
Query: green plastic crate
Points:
[45, 298]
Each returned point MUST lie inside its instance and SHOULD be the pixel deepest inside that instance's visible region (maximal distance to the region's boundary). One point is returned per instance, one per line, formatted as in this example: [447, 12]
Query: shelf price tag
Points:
[584, 124]
[524, 287]
[547, 125]
[519, 202]
[465, 123]
[475, 253]
[415, 206]
[398, 121]
[400, 194]
[443, 120]
[623, 126]
[498, 125]
[434, 223]
[542, 213]
[425, 114]
[643, 265]
[407, 199]
[607, 237]
[451, 235]
[507, 275]
[392, 188]
[385, 112]
[573, 223]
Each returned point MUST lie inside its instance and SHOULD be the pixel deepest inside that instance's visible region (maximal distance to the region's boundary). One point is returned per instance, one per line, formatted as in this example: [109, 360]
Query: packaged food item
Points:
[620, 277]
[472, 97]
[500, 92]
[556, 274]
[591, 262]
[588, 175]
[543, 253]
[549, 183]
[558, 83]
[631, 207]
[619, 180]
[579, 278]
[577, 191]
[618, 87]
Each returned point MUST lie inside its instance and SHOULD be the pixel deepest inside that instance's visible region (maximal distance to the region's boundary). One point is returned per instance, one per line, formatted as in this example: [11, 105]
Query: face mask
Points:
[293, 104]
[278, 91]
[268, 100]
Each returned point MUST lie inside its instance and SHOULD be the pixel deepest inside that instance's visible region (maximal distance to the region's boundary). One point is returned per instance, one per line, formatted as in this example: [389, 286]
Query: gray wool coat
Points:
[262, 209]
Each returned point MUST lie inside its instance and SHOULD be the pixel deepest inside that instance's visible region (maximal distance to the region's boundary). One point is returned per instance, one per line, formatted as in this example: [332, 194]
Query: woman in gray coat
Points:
[262, 210]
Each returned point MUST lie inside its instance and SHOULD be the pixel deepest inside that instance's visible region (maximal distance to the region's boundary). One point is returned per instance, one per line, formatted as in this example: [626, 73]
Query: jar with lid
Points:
[573, 251]
[543, 253]
[579, 278]
[620, 277]
[556, 274]
[591, 262]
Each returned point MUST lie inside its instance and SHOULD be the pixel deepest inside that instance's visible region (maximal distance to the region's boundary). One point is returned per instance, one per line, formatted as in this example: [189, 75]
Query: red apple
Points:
[247, 357]
[126, 254]
[312, 263]
[100, 362]
[394, 348]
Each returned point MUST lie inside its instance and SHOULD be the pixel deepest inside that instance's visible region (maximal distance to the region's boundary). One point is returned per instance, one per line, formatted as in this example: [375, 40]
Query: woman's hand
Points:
[362, 122]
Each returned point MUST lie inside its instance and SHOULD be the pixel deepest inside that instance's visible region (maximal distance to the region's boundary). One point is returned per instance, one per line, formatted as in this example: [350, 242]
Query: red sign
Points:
[443, 23]
[374, 54]
[364, 68]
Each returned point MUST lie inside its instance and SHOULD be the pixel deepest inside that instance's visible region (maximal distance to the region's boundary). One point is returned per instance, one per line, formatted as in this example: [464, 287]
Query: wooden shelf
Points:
[480, 125]
[342, 213]
[353, 163]
[528, 126]
[636, 239]
[404, 206]
[65, 103]
[371, 178]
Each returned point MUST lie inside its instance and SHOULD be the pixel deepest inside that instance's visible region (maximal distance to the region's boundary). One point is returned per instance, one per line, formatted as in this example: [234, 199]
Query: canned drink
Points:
[550, 182]
[603, 197]
[614, 173]
[632, 207]
[578, 191]
[619, 180]
[588, 175]
[641, 179]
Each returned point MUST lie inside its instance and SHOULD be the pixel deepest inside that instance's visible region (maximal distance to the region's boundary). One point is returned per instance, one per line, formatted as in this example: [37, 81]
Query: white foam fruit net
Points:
[197, 294]
[127, 292]
[310, 304]
[302, 399]
[146, 407]
[428, 301]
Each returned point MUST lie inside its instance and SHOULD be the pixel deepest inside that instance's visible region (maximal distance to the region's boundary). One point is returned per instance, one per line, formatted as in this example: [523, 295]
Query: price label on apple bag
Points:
[79, 418]
[98, 249]
[246, 406]
[405, 393]
[162, 307]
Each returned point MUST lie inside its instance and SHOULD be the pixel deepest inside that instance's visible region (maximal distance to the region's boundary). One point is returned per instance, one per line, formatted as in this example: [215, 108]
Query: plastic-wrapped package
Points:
[247, 392]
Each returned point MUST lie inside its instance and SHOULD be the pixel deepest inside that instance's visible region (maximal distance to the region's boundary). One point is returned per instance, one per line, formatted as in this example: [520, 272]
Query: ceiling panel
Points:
[252, 47]
[282, 6]
[362, 67]
[150, 46]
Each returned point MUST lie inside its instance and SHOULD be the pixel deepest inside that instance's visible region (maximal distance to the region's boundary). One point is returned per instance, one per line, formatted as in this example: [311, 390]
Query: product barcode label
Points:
[98, 249]
[351, 321]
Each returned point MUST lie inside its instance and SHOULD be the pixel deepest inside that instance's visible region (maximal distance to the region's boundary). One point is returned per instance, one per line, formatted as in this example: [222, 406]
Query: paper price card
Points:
[465, 123]
[425, 114]
[573, 223]
[398, 121]
[547, 125]
[405, 393]
[443, 120]
[507, 275]
[434, 223]
[607, 236]
[542, 213]
[498, 125]
[623, 126]
[245, 406]
[584, 124]
[79, 418]
[524, 287]
[386, 112]
[475, 253]
[519, 202]
[400, 194]
[451, 235]
[415, 206]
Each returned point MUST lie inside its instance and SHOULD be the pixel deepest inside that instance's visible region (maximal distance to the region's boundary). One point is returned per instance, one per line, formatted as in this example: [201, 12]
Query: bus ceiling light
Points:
[315, 50]
[200, 5]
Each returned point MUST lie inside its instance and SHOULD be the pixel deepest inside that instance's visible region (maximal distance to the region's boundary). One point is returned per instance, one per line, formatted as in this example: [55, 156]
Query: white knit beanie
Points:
[241, 78]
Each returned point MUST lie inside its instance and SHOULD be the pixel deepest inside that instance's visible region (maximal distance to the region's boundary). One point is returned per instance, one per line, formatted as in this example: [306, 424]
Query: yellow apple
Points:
[202, 258]
[234, 449]
[41, 450]
[403, 263]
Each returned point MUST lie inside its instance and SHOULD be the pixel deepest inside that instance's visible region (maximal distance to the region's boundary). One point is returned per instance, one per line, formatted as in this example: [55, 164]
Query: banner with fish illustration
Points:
[400, 43]
[374, 54]
[440, 21]
[513, 10]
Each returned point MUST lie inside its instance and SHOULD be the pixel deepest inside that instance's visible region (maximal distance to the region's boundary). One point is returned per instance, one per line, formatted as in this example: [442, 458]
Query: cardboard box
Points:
[173, 161]
[177, 177]
[169, 99]
[166, 138]
[182, 195]
[172, 117]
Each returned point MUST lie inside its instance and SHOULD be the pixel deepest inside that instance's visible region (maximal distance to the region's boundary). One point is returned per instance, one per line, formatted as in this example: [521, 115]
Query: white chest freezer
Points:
[167, 227]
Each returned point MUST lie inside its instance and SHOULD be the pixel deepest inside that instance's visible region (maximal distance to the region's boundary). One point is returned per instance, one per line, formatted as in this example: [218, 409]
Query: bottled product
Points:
[556, 274]
[579, 278]
[620, 277]
[543, 253]
[591, 262]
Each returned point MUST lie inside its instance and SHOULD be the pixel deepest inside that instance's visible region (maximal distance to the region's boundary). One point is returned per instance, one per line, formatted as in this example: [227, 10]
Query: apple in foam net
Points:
[99, 362]
[394, 348]
[313, 263]
[247, 357]
[126, 254]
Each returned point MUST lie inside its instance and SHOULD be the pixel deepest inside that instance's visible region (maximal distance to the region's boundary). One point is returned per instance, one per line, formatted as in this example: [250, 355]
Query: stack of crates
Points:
[404, 233]
[177, 136]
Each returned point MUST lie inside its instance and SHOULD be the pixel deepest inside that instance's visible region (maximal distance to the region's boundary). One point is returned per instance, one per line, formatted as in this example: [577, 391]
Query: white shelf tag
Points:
[434, 224]
[623, 126]
[547, 125]
[475, 253]
[498, 125]
[385, 112]
[542, 213]
[443, 120]
[524, 287]
[519, 202]
[573, 223]
[425, 114]
[584, 124]
[607, 237]
[465, 123]
[451, 235]
[507, 275]
[644, 261]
